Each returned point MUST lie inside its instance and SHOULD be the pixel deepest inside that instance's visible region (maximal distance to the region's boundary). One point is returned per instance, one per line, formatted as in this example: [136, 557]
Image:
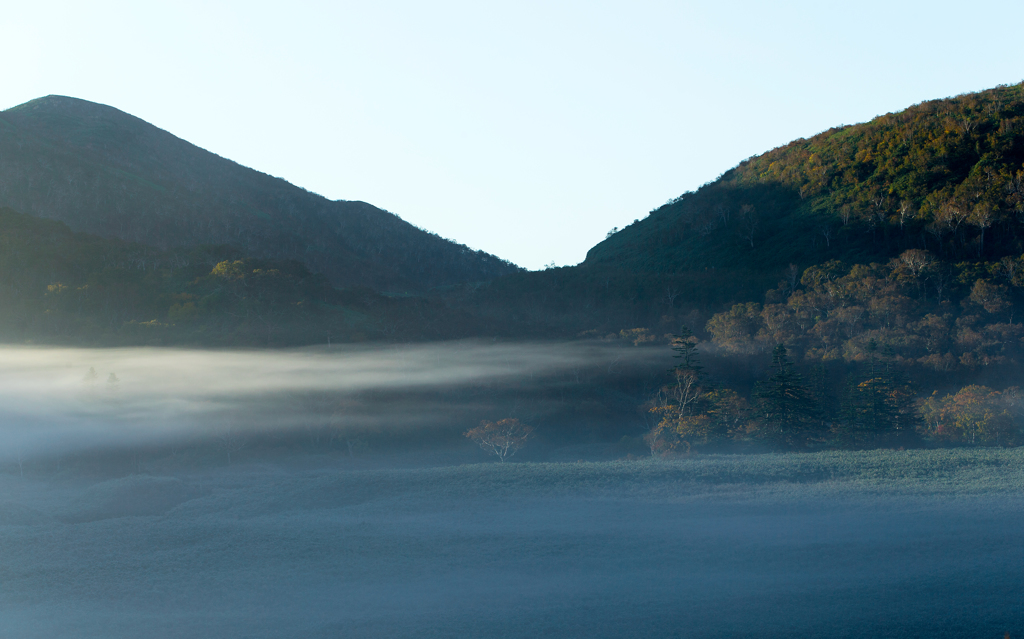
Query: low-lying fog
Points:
[870, 544]
[57, 400]
[618, 549]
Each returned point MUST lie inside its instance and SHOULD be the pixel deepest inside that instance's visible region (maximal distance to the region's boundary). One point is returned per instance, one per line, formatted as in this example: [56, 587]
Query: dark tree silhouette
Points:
[786, 405]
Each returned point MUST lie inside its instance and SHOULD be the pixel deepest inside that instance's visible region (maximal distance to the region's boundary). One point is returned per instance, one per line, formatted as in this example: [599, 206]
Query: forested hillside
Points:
[62, 287]
[886, 265]
[105, 172]
[945, 176]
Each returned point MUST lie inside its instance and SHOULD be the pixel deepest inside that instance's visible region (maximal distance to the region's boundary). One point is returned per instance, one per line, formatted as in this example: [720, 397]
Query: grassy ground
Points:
[879, 543]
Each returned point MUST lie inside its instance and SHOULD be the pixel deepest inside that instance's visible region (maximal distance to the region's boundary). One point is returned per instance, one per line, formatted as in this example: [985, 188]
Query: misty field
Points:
[871, 544]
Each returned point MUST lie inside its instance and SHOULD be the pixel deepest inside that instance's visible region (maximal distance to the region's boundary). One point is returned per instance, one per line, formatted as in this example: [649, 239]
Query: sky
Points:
[525, 129]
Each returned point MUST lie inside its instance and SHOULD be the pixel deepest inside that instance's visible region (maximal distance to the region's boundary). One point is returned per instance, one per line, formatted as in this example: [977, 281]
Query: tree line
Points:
[875, 405]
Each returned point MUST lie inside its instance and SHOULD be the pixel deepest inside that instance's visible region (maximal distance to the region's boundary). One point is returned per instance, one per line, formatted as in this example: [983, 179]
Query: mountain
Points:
[944, 176]
[64, 287]
[102, 171]
[871, 268]
[860, 288]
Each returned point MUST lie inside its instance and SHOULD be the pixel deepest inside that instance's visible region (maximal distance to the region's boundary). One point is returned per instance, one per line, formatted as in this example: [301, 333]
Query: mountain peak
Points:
[103, 171]
[65, 106]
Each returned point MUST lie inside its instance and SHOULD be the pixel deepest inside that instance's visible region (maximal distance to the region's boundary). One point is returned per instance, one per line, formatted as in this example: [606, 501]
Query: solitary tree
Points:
[503, 438]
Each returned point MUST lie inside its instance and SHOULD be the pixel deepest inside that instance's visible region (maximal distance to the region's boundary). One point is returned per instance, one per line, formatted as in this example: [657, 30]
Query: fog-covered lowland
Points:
[867, 544]
[61, 402]
[176, 493]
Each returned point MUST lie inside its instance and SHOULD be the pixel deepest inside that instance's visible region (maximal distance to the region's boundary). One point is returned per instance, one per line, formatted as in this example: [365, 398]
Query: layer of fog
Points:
[911, 544]
[517, 550]
[56, 399]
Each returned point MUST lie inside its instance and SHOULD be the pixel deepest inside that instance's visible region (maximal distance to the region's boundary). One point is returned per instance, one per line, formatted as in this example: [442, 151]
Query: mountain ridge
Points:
[104, 171]
[945, 176]
[916, 178]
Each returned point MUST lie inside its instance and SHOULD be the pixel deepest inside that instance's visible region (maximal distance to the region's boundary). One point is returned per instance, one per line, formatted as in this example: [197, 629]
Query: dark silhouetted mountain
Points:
[64, 287]
[105, 172]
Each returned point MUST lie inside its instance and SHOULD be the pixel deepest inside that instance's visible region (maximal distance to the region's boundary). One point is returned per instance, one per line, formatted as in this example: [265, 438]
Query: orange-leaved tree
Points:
[685, 404]
[975, 415]
[503, 438]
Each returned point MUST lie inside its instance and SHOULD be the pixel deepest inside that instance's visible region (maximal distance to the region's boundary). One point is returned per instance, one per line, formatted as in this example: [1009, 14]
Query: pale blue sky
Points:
[526, 129]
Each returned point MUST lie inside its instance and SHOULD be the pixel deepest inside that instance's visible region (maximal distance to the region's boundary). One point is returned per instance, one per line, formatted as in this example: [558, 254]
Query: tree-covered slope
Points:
[105, 172]
[945, 175]
[64, 287]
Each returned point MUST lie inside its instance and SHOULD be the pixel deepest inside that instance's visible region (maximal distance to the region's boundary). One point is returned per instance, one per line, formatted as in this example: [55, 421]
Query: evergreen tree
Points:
[822, 393]
[877, 412]
[786, 405]
[685, 346]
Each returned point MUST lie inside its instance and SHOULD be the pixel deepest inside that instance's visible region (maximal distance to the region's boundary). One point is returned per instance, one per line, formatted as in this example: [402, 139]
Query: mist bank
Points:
[57, 400]
[837, 544]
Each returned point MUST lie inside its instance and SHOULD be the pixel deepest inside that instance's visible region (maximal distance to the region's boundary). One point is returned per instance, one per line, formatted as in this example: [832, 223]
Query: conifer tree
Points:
[683, 403]
[788, 408]
[685, 346]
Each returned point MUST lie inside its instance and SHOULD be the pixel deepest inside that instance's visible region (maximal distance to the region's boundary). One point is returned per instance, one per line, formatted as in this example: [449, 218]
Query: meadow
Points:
[922, 543]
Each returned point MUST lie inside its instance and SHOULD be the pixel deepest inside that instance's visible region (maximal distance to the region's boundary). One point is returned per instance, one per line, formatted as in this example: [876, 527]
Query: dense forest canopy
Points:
[945, 176]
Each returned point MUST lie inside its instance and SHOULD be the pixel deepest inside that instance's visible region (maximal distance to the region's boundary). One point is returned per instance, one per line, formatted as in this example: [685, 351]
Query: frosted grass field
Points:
[873, 544]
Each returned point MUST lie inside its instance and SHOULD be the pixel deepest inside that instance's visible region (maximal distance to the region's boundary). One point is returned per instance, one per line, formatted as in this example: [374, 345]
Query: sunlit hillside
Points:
[944, 176]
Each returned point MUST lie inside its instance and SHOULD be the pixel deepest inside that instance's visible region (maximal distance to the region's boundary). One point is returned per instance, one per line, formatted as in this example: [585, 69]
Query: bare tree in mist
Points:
[19, 459]
[682, 404]
[504, 438]
[232, 440]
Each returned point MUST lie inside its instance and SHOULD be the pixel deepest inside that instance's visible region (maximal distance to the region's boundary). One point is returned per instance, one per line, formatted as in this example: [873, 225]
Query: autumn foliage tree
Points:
[681, 404]
[692, 410]
[974, 415]
[937, 315]
[502, 438]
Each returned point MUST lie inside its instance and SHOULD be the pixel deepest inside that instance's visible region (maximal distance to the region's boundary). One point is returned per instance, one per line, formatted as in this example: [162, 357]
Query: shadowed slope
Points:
[106, 172]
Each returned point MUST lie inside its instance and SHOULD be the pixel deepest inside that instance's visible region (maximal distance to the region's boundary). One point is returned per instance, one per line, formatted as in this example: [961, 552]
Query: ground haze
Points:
[881, 544]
